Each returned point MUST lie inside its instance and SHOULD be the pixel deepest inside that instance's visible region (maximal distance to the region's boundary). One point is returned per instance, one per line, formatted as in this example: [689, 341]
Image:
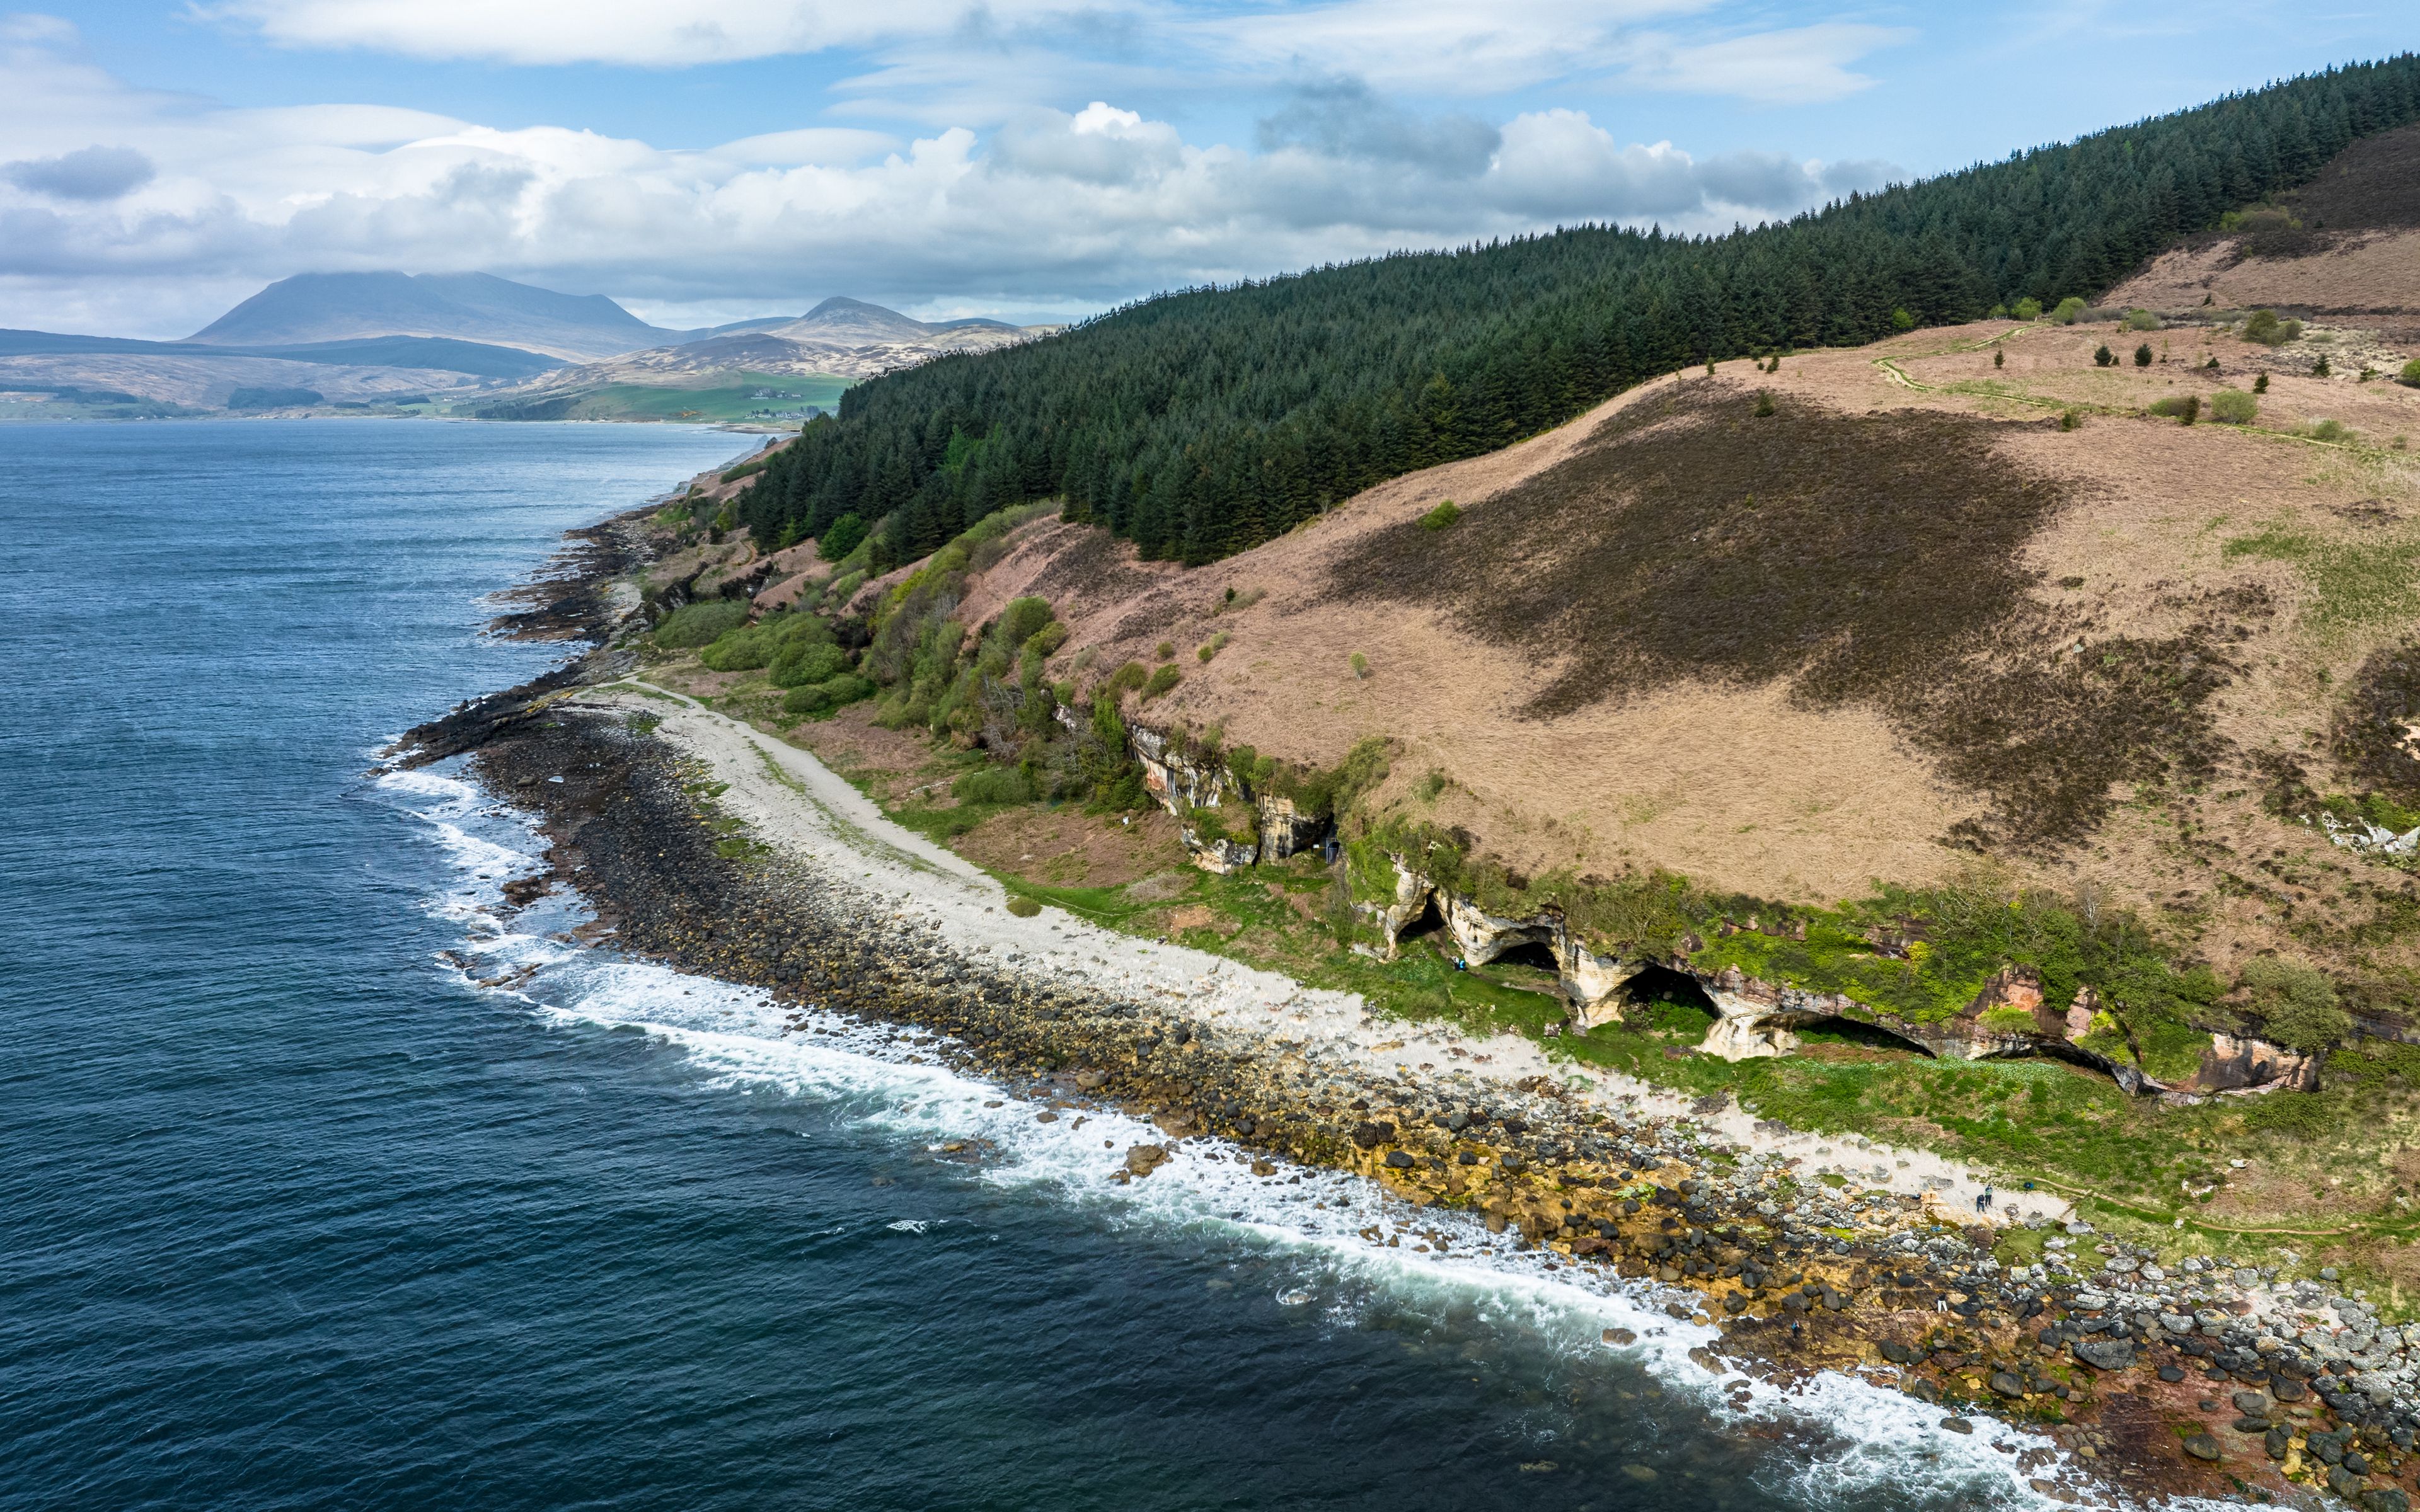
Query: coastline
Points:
[719, 849]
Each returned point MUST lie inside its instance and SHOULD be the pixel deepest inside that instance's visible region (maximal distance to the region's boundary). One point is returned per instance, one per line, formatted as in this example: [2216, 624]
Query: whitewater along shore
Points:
[719, 849]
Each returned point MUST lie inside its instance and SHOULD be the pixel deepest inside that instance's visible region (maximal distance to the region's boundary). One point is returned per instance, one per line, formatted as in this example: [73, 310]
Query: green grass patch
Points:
[2355, 583]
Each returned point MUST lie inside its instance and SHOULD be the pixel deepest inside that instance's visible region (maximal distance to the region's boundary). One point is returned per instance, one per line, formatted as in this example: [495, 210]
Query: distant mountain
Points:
[476, 307]
[838, 338]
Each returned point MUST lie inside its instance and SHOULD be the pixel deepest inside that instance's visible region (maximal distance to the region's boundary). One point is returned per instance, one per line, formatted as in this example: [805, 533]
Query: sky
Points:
[703, 161]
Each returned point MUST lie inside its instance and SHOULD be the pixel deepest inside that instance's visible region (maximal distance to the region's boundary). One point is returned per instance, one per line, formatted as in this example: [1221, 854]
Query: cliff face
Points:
[1755, 1018]
[1186, 787]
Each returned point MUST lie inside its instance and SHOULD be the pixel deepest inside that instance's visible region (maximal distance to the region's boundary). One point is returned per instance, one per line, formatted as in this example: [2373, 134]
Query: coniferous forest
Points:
[1198, 424]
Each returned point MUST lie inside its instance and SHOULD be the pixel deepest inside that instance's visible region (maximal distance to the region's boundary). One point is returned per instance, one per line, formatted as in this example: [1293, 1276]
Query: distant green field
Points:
[733, 400]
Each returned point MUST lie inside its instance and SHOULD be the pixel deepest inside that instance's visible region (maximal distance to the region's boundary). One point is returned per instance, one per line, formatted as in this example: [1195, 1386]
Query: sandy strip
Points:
[797, 805]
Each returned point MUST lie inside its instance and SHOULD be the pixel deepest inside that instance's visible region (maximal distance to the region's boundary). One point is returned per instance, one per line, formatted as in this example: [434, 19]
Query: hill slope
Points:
[1200, 423]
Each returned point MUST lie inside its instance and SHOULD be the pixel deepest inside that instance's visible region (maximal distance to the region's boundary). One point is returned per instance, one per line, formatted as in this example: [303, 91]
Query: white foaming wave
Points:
[1313, 1218]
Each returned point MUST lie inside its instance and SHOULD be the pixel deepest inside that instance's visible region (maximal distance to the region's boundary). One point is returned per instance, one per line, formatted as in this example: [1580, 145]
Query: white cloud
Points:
[1803, 65]
[1053, 211]
[641, 33]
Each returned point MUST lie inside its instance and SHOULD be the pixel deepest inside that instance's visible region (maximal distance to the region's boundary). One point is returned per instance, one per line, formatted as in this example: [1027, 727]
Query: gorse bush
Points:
[701, 624]
[2411, 374]
[1204, 421]
[2233, 406]
[2141, 320]
[2182, 406]
[2069, 311]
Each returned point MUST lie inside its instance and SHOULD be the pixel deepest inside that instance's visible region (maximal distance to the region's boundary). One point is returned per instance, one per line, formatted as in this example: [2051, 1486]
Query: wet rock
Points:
[1142, 1160]
[2103, 1353]
[2384, 1499]
[2006, 1385]
[2252, 1403]
[1957, 1424]
[2202, 1446]
[1399, 1161]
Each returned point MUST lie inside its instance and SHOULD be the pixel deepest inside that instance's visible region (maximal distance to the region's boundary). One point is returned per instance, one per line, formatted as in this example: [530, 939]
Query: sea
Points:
[296, 1213]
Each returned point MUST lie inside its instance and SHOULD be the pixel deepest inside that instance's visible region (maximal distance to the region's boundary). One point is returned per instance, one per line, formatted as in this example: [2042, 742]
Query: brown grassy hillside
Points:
[1929, 605]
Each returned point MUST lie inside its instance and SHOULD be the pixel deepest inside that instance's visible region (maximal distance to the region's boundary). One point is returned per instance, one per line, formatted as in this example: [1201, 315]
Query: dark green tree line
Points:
[1202, 423]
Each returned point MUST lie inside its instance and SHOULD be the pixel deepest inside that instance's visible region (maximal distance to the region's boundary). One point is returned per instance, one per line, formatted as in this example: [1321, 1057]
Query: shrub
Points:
[2183, 407]
[753, 464]
[1360, 665]
[805, 661]
[2327, 430]
[1022, 621]
[821, 699]
[2260, 384]
[2411, 374]
[1211, 647]
[701, 624]
[2141, 320]
[2069, 311]
[1161, 682]
[1441, 518]
[2321, 368]
[993, 784]
[2028, 309]
[2298, 1004]
[1023, 907]
[2233, 406]
[1999, 358]
[2143, 355]
[1127, 678]
[2262, 326]
[1763, 402]
[2102, 356]
[1902, 320]
[2069, 420]
[1166, 651]
[841, 537]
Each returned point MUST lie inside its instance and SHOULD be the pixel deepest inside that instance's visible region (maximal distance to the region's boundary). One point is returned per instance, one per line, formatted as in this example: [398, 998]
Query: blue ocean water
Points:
[293, 1215]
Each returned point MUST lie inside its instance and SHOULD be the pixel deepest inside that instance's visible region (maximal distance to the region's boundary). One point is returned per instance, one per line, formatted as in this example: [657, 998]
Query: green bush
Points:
[2298, 1004]
[2411, 374]
[828, 698]
[841, 537]
[1128, 677]
[1359, 663]
[1161, 682]
[1763, 403]
[1023, 907]
[700, 623]
[2327, 430]
[2262, 326]
[2260, 383]
[2069, 311]
[993, 784]
[1022, 620]
[2103, 356]
[2233, 406]
[841, 589]
[2184, 406]
[774, 637]
[1442, 517]
[2141, 320]
[2028, 309]
[807, 661]
[2143, 355]
[1902, 320]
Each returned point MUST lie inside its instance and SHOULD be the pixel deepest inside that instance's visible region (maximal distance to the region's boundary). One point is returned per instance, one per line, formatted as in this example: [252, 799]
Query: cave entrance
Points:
[1848, 1040]
[1529, 953]
[1667, 1004]
[1425, 925]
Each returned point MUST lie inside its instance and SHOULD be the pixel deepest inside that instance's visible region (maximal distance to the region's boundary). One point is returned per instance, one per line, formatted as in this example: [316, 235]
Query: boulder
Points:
[2105, 1353]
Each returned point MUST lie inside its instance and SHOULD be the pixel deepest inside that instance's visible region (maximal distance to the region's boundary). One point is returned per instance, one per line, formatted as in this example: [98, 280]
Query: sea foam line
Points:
[879, 1074]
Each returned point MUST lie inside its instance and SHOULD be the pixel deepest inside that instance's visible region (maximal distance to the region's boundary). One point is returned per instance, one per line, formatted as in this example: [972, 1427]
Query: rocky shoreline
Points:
[2217, 1382]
